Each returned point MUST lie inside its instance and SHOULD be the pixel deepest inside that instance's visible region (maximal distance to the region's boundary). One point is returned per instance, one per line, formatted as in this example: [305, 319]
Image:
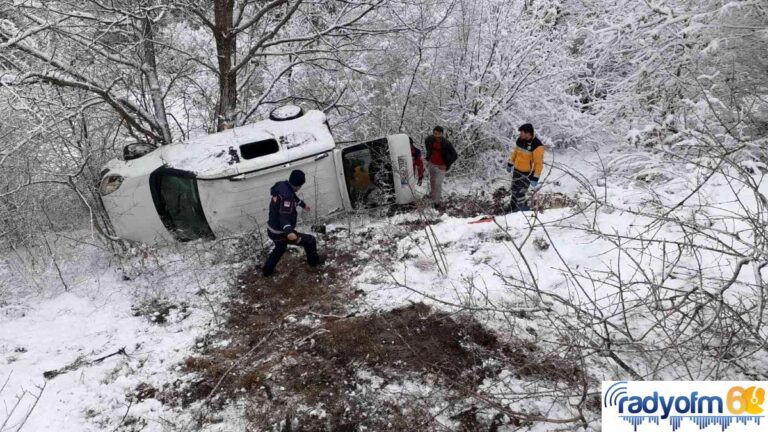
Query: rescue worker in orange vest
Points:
[526, 164]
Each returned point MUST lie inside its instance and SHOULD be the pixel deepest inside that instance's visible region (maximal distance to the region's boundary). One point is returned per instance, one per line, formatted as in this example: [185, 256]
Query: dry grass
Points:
[415, 338]
[498, 202]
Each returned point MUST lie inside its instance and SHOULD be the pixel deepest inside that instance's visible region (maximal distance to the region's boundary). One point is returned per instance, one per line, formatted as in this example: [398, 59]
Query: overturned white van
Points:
[219, 184]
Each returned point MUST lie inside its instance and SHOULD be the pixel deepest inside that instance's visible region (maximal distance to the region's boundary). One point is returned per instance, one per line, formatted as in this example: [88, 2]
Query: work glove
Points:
[535, 183]
[509, 168]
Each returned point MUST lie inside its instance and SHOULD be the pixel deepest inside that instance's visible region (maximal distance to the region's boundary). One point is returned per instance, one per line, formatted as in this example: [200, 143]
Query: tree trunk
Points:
[226, 48]
[149, 68]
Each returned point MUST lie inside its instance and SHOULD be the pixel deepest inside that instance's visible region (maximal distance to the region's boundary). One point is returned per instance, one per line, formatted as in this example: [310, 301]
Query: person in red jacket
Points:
[418, 162]
[440, 155]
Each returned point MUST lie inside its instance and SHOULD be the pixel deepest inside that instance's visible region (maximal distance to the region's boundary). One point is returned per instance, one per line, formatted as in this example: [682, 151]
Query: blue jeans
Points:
[520, 184]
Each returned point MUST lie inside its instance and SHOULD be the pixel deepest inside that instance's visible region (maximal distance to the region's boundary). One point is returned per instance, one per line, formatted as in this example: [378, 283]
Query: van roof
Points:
[210, 156]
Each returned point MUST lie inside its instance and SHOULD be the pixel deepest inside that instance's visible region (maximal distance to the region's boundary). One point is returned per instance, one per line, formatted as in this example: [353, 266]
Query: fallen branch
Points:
[125, 416]
[236, 363]
[80, 362]
[349, 315]
[120, 351]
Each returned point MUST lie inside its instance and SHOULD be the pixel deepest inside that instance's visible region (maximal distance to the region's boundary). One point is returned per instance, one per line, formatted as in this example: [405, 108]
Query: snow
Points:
[49, 331]
[209, 156]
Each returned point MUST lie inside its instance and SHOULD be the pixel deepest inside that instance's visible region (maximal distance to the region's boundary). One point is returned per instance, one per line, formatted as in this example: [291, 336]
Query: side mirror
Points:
[136, 150]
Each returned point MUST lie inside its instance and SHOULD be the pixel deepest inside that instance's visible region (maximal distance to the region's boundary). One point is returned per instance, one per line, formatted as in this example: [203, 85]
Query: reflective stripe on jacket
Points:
[282, 208]
[528, 158]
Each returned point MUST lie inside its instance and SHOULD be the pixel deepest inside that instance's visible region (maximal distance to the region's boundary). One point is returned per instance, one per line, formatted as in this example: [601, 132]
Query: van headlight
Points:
[110, 184]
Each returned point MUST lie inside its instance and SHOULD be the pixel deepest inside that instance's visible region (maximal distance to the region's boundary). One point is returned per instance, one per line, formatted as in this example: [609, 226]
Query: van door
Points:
[177, 201]
[368, 174]
[379, 172]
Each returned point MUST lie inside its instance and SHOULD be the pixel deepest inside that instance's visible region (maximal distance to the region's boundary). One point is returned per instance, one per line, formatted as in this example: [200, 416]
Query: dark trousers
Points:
[281, 241]
[520, 184]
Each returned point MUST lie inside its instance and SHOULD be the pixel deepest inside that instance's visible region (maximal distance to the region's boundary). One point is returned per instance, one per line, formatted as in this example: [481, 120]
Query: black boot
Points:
[317, 262]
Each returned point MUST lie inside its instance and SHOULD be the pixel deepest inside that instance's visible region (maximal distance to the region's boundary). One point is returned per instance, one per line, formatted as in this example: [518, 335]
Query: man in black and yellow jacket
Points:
[526, 164]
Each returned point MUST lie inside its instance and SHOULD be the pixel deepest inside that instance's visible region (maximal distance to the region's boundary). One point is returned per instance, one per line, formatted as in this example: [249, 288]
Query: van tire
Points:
[286, 112]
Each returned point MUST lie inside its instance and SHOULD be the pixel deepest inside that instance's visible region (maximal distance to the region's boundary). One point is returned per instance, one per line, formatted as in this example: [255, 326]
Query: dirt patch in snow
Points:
[264, 322]
[267, 318]
[161, 310]
[419, 224]
[420, 339]
[498, 202]
[293, 349]
[543, 201]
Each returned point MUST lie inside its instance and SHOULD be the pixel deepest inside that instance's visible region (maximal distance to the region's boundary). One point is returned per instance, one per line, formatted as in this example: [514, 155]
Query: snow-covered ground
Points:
[606, 261]
[603, 261]
[47, 327]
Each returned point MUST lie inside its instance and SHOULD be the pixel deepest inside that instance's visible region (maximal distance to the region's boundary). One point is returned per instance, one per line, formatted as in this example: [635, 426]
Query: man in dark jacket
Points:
[281, 227]
[440, 156]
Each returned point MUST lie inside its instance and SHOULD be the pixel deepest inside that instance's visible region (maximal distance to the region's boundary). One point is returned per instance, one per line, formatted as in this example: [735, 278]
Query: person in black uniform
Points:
[281, 227]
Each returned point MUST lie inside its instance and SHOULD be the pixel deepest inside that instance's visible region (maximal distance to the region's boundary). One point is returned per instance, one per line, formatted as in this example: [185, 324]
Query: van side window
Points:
[259, 149]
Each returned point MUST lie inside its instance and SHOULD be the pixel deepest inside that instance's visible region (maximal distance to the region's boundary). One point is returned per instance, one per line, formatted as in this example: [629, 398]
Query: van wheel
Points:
[286, 112]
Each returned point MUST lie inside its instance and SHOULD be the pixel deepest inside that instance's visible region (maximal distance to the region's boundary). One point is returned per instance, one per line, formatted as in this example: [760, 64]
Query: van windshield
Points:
[178, 203]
